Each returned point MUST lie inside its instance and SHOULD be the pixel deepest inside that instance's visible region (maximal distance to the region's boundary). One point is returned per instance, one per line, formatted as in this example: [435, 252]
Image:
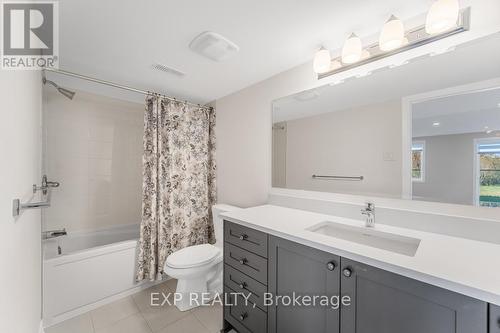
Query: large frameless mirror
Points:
[427, 130]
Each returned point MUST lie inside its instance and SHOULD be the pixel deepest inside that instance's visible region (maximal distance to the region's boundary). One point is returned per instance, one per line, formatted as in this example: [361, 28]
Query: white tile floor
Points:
[134, 314]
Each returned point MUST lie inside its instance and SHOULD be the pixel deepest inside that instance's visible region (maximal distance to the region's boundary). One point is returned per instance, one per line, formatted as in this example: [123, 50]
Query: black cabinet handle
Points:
[331, 266]
[243, 316]
[243, 237]
[243, 285]
[347, 272]
[243, 261]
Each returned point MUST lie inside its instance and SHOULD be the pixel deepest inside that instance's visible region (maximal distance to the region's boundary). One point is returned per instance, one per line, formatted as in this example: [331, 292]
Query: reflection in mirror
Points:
[401, 132]
[456, 148]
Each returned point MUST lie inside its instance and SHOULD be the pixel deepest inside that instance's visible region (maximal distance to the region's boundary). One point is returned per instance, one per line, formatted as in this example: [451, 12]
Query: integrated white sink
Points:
[362, 235]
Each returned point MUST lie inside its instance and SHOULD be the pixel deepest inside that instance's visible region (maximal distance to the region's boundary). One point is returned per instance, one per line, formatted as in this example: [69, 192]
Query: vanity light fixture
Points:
[442, 16]
[443, 20]
[352, 50]
[392, 35]
[322, 61]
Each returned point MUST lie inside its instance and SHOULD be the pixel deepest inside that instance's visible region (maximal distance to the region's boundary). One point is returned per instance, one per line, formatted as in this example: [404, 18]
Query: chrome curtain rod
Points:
[116, 85]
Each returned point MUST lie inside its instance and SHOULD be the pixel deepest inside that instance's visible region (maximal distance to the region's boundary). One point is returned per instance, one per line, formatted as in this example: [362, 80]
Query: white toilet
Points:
[198, 268]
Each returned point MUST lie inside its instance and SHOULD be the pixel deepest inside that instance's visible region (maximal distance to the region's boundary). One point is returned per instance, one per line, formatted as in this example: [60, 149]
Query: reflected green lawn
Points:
[490, 194]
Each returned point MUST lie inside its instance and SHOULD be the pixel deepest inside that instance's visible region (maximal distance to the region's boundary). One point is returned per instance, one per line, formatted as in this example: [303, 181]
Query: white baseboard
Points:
[48, 322]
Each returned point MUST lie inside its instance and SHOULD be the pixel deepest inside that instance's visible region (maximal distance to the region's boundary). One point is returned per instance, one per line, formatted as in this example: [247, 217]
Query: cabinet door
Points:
[494, 319]
[305, 271]
[383, 302]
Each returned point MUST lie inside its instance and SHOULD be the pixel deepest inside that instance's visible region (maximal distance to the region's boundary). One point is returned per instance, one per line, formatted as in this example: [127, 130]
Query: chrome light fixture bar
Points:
[416, 37]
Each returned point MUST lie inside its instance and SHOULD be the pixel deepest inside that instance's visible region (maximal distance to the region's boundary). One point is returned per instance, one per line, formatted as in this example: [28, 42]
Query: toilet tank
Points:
[219, 223]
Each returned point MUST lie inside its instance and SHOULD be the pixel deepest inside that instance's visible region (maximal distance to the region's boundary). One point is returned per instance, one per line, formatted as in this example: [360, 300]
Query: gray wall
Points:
[449, 169]
[365, 141]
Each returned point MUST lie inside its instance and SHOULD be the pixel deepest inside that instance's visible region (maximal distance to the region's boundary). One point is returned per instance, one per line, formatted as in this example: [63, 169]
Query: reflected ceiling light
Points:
[436, 124]
[392, 35]
[363, 74]
[352, 50]
[398, 64]
[442, 16]
[334, 83]
[322, 61]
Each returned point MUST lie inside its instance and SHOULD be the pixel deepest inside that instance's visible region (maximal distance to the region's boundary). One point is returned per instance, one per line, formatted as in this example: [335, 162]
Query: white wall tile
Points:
[93, 146]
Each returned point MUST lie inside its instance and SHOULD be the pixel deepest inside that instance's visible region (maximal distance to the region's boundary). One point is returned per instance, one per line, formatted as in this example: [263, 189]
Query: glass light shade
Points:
[322, 60]
[442, 16]
[392, 35]
[352, 50]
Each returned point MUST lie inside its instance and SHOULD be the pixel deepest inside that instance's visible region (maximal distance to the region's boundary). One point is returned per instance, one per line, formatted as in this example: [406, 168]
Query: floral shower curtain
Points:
[178, 181]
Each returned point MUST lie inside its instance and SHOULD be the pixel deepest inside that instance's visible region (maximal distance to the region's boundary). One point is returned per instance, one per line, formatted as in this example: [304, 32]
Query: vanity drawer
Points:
[249, 239]
[245, 318]
[251, 264]
[246, 285]
[494, 319]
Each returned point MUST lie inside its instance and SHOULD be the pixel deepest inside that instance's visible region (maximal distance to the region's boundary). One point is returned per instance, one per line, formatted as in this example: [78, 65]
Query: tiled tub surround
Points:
[461, 265]
[93, 147]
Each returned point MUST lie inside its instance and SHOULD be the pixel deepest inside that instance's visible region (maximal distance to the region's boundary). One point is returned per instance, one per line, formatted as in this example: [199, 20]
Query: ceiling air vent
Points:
[169, 70]
[214, 46]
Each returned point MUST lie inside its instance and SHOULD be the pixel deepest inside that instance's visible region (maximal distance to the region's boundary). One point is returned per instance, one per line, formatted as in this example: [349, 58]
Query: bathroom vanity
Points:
[404, 281]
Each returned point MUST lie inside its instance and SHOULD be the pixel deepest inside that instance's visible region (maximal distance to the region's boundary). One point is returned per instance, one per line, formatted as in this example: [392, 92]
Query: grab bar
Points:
[356, 178]
[18, 207]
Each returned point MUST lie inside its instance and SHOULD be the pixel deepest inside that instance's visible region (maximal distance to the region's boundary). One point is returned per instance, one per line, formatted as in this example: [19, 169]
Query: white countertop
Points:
[464, 266]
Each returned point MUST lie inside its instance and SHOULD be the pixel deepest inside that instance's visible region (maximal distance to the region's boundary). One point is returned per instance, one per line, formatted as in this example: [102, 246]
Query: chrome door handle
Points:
[243, 285]
[243, 237]
[243, 261]
[243, 316]
[347, 272]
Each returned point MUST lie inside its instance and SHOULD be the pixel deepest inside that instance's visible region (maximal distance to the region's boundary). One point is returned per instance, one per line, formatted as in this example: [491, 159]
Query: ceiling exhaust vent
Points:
[168, 70]
[214, 46]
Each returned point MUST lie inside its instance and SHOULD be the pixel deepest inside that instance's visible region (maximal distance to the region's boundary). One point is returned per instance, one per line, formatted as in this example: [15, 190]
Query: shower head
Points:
[66, 92]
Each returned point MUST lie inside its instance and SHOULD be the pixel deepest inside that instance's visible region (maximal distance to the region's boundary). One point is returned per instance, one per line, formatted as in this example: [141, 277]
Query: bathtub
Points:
[92, 269]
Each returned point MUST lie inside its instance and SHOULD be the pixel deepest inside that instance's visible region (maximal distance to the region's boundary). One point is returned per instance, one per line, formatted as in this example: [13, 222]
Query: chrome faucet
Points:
[54, 233]
[369, 211]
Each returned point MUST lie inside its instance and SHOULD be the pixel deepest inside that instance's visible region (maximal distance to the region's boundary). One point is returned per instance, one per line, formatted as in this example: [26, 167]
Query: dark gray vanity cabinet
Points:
[258, 265]
[294, 268]
[383, 302]
[494, 319]
[245, 279]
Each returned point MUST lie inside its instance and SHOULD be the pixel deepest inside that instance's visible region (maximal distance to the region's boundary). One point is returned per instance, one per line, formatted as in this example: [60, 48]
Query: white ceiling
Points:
[466, 113]
[119, 40]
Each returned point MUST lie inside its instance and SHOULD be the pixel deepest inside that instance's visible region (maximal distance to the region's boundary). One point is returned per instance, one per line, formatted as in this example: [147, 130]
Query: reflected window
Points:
[488, 175]
[418, 161]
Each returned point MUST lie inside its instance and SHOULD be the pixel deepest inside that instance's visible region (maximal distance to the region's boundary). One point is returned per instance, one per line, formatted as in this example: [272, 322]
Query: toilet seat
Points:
[193, 256]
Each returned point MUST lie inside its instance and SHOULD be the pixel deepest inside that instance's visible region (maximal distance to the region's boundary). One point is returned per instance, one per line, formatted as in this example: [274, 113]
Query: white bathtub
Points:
[93, 269]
